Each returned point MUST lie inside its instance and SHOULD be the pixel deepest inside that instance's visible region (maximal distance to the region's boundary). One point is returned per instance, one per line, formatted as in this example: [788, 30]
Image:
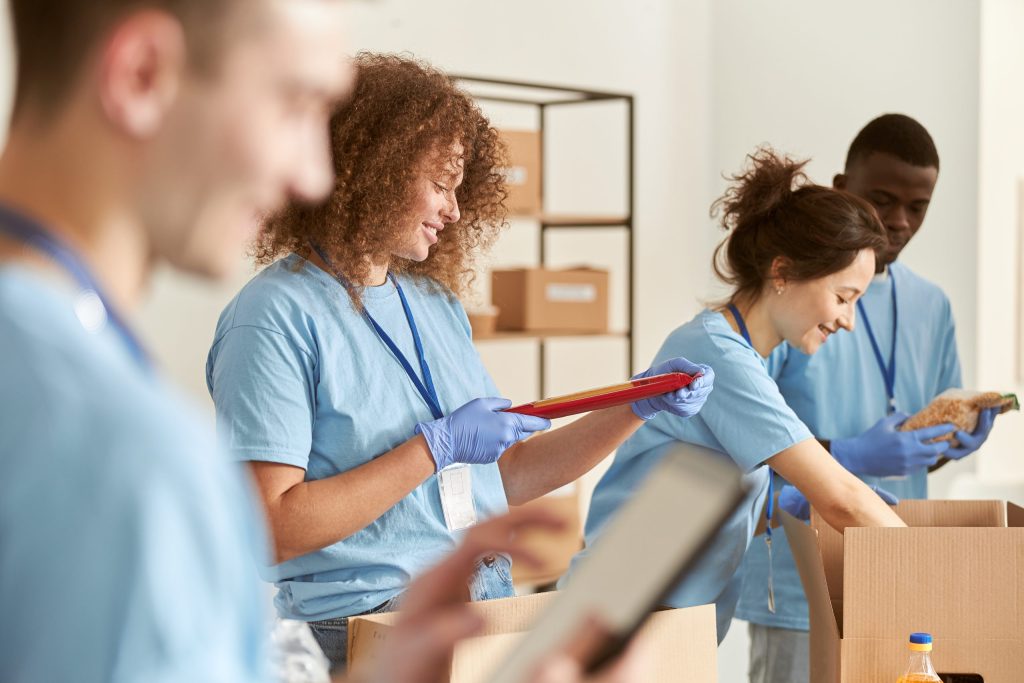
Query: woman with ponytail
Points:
[798, 257]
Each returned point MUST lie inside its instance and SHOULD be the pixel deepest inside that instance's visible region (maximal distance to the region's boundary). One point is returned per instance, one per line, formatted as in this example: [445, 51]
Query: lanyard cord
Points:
[425, 387]
[888, 371]
[740, 323]
[770, 502]
[31, 233]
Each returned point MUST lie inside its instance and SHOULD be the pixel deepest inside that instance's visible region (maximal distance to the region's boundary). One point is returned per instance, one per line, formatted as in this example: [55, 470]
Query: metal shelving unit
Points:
[545, 96]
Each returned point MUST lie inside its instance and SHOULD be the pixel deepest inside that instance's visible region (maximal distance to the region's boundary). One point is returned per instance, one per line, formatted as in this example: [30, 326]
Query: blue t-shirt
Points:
[839, 392]
[745, 418]
[300, 377]
[127, 539]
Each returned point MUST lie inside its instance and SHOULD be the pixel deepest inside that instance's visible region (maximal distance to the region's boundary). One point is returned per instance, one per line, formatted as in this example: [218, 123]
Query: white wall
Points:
[1000, 211]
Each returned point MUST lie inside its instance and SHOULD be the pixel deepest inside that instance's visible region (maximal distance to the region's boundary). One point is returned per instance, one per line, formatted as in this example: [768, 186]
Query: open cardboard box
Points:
[682, 643]
[957, 573]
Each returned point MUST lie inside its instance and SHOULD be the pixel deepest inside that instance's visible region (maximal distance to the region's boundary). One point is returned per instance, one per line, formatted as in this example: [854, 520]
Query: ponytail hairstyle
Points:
[772, 211]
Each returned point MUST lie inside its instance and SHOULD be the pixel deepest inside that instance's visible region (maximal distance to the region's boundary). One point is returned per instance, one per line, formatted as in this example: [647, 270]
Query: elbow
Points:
[518, 490]
[843, 507]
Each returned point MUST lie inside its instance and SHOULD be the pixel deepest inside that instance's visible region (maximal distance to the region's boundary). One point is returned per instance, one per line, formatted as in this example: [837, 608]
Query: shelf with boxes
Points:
[543, 303]
[576, 303]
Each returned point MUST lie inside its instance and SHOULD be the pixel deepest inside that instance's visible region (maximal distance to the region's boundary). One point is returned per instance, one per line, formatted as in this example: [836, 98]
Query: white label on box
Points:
[515, 175]
[577, 294]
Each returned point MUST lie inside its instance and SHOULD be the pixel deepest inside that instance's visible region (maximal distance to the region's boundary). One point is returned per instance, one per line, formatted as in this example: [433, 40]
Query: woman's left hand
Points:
[685, 402]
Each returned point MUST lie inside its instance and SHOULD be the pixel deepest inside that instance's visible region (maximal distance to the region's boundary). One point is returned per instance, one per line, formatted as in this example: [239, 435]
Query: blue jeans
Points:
[491, 580]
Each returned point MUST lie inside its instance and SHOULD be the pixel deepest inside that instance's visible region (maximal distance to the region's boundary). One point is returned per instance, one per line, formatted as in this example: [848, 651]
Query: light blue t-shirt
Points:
[839, 392]
[745, 418]
[127, 538]
[300, 377]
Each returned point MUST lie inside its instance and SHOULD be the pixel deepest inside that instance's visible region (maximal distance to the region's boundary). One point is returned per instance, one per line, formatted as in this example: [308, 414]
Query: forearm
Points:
[839, 496]
[852, 503]
[312, 515]
[547, 461]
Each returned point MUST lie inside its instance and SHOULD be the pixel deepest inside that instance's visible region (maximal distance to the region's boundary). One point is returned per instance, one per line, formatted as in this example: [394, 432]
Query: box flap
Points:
[1014, 515]
[682, 640]
[830, 544]
[952, 513]
[474, 659]
[959, 583]
[507, 615]
[916, 513]
[825, 643]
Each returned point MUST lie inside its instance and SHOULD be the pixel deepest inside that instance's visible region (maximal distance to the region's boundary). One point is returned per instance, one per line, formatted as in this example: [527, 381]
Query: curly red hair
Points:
[402, 115]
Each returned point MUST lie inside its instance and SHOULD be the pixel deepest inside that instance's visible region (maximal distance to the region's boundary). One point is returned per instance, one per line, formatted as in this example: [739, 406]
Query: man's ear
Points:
[141, 68]
[839, 181]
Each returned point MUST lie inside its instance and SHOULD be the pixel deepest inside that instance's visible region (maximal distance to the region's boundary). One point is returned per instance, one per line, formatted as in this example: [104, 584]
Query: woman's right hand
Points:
[477, 433]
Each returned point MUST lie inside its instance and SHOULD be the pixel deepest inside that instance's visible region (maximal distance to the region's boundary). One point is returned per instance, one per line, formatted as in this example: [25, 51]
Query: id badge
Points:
[456, 486]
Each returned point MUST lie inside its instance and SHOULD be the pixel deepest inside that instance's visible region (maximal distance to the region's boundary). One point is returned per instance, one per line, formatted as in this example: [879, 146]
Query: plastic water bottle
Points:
[920, 669]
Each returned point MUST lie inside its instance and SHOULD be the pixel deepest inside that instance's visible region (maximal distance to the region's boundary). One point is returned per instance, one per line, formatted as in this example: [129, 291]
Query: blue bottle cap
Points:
[921, 638]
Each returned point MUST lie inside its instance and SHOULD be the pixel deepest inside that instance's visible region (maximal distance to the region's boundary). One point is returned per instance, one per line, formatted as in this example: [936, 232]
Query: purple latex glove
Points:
[972, 442]
[685, 402]
[884, 451]
[478, 432]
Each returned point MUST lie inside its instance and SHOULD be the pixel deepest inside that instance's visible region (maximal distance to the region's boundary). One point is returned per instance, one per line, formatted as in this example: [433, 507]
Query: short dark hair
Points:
[898, 135]
[772, 210]
[53, 38]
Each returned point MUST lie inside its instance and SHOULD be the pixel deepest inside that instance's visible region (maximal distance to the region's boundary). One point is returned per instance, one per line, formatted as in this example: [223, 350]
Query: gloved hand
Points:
[972, 442]
[884, 451]
[796, 503]
[685, 402]
[478, 432]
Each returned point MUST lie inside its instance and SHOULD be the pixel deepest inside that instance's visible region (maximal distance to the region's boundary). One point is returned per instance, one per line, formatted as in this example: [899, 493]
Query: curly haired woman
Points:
[344, 373]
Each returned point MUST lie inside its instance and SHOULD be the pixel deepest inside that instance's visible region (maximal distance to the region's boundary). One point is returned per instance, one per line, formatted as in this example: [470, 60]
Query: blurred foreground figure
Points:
[143, 133]
[435, 614]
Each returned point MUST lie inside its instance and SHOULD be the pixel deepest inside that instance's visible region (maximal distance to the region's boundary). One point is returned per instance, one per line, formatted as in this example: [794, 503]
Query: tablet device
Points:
[606, 397]
[646, 549]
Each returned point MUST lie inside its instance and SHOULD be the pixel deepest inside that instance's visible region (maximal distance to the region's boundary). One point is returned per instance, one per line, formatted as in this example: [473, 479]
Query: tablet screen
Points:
[642, 554]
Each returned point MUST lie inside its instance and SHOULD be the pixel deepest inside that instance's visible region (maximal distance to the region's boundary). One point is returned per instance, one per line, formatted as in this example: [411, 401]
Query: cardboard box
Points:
[555, 549]
[544, 300]
[523, 175]
[483, 323]
[957, 573]
[682, 643]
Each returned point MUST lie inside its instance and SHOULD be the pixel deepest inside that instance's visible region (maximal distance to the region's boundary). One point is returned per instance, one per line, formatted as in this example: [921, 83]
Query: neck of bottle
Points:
[921, 663]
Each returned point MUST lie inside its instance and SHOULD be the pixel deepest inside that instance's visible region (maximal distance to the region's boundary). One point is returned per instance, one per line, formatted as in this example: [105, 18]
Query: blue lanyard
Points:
[740, 323]
[426, 387]
[888, 372]
[31, 233]
[770, 503]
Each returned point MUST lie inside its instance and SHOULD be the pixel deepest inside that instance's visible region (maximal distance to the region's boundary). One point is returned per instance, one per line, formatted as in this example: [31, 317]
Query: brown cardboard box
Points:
[523, 175]
[556, 550]
[483, 323]
[957, 573]
[682, 643]
[544, 300]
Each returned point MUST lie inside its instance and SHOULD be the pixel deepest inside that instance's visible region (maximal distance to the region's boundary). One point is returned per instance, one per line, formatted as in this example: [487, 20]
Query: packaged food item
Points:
[959, 407]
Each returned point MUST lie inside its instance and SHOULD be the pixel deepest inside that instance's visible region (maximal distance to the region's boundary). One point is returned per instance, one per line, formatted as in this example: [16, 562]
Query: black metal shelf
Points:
[542, 96]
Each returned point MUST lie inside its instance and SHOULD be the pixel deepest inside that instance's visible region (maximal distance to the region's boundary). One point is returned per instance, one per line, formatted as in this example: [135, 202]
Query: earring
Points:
[779, 290]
